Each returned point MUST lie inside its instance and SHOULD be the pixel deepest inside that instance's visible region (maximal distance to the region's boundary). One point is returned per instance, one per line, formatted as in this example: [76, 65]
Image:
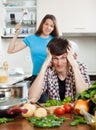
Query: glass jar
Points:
[3, 76]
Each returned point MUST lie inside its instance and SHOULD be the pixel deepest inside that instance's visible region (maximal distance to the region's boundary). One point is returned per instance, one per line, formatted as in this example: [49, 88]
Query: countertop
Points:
[22, 124]
[14, 79]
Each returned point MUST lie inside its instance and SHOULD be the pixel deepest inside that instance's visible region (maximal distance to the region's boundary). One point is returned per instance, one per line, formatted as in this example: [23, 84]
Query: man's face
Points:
[60, 62]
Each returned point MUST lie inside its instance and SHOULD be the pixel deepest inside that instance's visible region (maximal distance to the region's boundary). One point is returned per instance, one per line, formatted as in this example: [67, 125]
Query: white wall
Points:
[72, 15]
[21, 59]
[87, 52]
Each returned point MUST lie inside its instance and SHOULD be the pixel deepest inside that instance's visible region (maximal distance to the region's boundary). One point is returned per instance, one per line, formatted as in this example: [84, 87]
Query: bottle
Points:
[4, 73]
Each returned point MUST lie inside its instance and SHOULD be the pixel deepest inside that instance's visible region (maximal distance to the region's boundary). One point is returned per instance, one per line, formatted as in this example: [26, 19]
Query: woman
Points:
[36, 42]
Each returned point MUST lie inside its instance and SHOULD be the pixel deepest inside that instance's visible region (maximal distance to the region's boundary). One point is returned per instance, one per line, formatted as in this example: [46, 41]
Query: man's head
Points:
[58, 46]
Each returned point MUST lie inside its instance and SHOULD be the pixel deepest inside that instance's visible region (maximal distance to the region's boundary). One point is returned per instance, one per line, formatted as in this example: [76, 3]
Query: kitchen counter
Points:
[16, 86]
[22, 124]
[14, 79]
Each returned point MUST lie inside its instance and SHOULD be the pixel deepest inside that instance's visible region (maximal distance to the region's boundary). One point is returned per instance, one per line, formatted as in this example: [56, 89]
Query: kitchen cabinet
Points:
[14, 11]
[75, 17]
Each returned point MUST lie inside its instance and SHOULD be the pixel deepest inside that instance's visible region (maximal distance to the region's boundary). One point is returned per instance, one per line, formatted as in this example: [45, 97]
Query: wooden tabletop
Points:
[22, 124]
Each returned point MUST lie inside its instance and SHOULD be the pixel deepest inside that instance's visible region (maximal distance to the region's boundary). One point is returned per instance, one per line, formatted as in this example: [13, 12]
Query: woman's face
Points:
[48, 27]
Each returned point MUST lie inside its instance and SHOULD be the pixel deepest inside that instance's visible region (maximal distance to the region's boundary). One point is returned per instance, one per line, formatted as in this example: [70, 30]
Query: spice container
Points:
[3, 76]
[4, 73]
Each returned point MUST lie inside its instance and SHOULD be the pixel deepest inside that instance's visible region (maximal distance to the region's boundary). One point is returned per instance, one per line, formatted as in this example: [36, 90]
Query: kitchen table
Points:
[21, 123]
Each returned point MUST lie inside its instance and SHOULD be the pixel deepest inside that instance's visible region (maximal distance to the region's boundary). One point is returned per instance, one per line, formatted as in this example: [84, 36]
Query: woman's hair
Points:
[52, 17]
[58, 46]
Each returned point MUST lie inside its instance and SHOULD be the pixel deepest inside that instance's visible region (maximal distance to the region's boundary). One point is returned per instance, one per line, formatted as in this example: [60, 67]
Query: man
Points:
[61, 75]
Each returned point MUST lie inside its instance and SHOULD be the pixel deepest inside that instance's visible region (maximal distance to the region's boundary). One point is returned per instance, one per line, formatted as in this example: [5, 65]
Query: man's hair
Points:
[58, 46]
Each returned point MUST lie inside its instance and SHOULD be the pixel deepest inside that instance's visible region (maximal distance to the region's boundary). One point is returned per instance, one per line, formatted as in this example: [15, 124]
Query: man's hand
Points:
[49, 58]
[70, 56]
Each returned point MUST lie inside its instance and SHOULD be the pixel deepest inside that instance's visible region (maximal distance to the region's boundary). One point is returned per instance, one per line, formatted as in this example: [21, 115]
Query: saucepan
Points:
[12, 106]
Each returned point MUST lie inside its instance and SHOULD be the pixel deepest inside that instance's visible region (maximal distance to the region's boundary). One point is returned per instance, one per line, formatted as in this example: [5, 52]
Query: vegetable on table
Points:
[30, 107]
[40, 112]
[59, 110]
[47, 122]
[6, 119]
[54, 102]
[78, 120]
[68, 107]
[81, 103]
[89, 94]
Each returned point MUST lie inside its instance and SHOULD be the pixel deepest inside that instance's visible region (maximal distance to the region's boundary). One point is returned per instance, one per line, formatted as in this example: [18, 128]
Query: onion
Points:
[40, 112]
[30, 107]
[81, 103]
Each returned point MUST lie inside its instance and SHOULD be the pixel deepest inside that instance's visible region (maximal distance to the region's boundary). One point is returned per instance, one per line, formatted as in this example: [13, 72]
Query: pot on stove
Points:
[5, 93]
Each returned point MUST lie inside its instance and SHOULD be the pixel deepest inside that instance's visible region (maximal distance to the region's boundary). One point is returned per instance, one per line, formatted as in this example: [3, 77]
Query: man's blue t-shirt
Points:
[37, 46]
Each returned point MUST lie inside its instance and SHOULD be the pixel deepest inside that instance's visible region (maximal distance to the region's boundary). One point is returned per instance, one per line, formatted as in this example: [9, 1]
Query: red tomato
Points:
[67, 107]
[59, 111]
